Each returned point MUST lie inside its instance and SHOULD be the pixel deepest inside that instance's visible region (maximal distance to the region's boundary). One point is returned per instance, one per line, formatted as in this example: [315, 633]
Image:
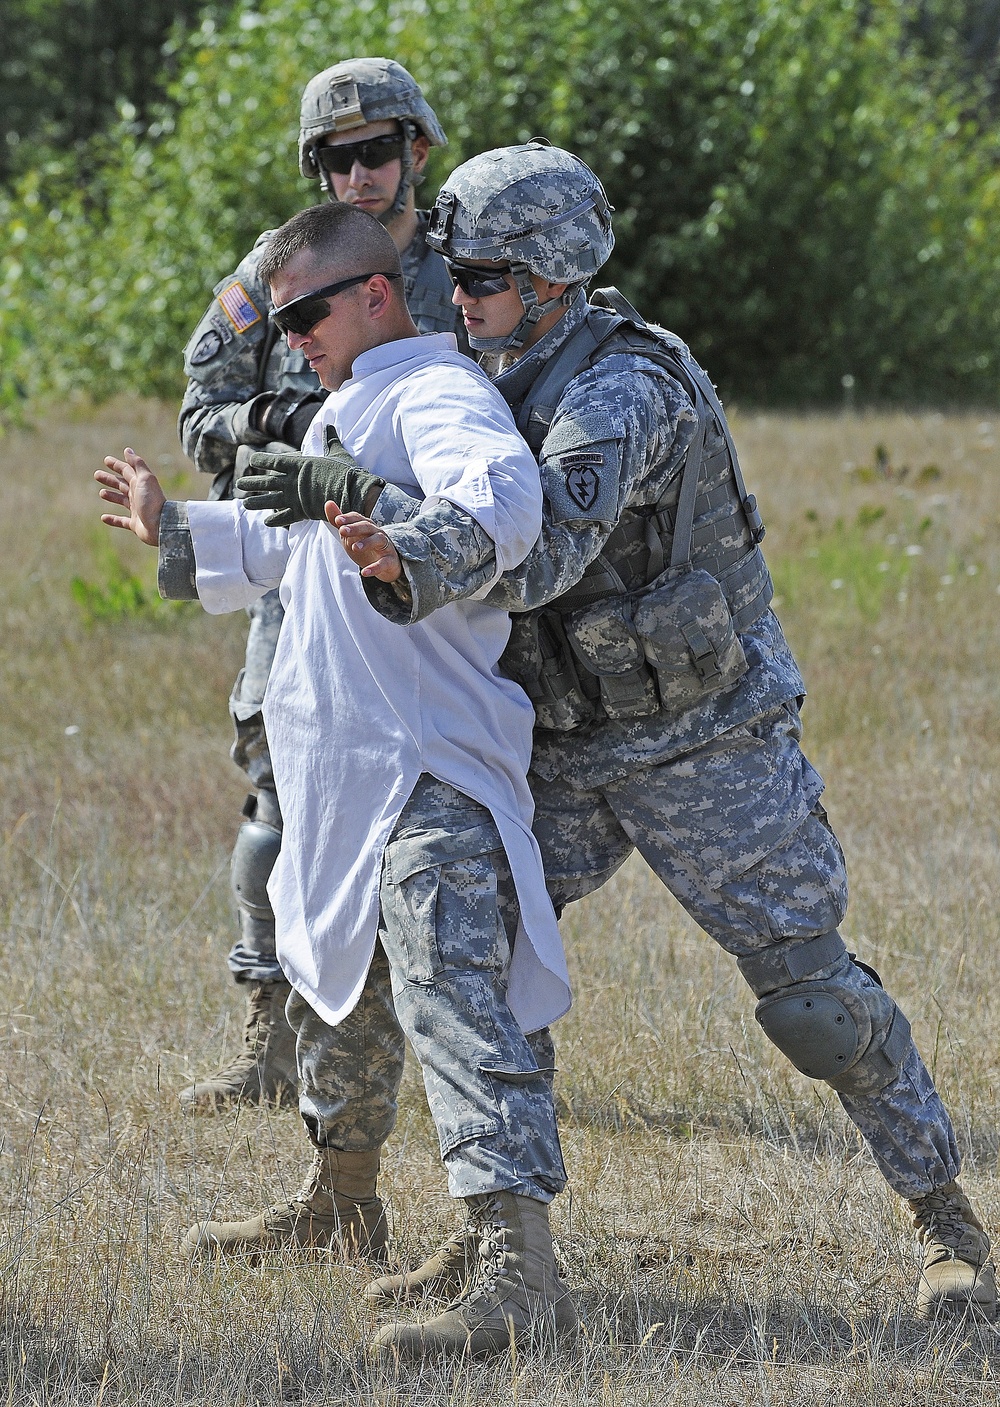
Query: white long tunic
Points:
[357, 708]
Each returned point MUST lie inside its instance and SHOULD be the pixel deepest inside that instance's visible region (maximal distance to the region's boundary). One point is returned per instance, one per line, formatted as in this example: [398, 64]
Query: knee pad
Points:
[829, 1015]
[257, 844]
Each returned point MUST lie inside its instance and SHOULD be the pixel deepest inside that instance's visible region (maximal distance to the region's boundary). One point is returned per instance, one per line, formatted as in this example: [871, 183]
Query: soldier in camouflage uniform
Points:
[365, 133]
[667, 699]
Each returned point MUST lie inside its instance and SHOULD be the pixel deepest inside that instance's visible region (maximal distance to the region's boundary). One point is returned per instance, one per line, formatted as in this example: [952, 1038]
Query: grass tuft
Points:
[725, 1232]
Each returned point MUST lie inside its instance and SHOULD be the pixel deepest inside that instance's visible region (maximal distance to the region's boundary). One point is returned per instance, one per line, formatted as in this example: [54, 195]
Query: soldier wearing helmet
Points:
[366, 130]
[666, 697]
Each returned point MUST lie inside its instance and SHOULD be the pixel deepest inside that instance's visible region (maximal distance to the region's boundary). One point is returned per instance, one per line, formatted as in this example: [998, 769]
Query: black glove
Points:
[283, 415]
[290, 414]
[293, 487]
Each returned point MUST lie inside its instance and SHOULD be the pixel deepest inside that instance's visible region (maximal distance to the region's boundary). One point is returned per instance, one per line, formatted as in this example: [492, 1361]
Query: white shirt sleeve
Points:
[237, 558]
[463, 446]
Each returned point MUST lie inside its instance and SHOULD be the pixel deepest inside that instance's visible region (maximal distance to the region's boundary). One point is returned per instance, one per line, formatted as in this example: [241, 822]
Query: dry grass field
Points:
[726, 1234]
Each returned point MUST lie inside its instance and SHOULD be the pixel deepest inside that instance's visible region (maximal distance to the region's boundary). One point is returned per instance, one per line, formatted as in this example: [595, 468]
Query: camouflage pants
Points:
[736, 832]
[448, 917]
[252, 957]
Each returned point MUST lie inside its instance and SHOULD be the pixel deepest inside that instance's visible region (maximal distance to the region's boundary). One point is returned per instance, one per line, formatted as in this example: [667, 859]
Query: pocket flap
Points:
[668, 615]
[604, 638]
[411, 854]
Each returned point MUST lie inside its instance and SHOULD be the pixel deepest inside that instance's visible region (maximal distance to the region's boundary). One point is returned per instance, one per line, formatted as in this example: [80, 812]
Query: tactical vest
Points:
[584, 657]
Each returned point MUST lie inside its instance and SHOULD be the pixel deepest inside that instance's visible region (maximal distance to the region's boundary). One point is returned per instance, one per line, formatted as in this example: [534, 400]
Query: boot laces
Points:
[492, 1233]
[940, 1218]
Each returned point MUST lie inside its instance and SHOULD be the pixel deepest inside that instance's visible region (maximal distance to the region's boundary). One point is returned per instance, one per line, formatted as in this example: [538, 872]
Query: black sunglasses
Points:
[302, 314]
[478, 283]
[371, 154]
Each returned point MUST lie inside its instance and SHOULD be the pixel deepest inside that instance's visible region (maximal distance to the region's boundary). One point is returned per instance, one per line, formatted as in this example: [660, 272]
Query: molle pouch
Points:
[688, 637]
[538, 658]
[605, 641]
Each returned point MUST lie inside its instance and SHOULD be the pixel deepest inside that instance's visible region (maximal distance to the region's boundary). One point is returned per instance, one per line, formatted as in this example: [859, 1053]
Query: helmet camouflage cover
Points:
[356, 92]
[535, 205]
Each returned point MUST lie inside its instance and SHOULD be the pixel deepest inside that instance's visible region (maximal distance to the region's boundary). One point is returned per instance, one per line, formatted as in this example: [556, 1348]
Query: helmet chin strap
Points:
[533, 313]
[408, 178]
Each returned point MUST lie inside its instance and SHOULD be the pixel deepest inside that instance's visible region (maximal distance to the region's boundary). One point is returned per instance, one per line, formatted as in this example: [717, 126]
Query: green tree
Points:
[804, 192]
[67, 63]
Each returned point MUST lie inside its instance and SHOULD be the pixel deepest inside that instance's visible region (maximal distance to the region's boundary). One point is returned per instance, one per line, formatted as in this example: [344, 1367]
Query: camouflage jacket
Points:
[633, 423]
[223, 359]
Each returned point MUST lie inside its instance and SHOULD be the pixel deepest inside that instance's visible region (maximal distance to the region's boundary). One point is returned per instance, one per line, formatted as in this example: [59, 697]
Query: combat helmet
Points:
[536, 207]
[358, 91]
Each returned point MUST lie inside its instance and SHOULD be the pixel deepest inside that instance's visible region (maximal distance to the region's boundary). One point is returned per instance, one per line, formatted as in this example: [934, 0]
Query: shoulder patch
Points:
[209, 345]
[583, 479]
[581, 461]
[239, 307]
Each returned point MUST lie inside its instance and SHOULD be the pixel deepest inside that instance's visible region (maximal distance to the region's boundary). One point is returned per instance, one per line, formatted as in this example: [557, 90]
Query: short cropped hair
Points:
[332, 233]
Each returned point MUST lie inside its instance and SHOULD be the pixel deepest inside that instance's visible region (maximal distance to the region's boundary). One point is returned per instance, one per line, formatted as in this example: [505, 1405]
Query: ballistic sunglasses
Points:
[302, 314]
[478, 283]
[371, 154]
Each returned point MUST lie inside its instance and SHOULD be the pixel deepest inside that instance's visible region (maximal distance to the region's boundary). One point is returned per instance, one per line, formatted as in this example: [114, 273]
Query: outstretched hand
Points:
[366, 543]
[131, 484]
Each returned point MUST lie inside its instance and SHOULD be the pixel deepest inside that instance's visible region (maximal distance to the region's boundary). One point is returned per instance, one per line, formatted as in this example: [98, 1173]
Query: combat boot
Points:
[957, 1274]
[515, 1299]
[336, 1210]
[443, 1275]
[264, 1070]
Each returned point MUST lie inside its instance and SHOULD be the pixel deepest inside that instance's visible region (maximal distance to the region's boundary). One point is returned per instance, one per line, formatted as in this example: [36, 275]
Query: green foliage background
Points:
[66, 64]
[805, 192]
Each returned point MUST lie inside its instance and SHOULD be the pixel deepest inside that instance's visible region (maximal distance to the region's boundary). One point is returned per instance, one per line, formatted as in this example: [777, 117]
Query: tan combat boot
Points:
[264, 1070]
[443, 1275]
[515, 1299]
[957, 1274]
[336, 1209]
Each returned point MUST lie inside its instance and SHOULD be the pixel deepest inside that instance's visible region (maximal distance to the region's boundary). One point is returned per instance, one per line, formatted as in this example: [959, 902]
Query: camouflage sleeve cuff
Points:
[394, 505]
[397, 601]
[446, 557]
[176, 570]
[394, 602]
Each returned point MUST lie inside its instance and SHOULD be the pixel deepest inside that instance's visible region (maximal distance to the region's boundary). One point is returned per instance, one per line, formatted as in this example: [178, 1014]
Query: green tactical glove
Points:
[294, 487]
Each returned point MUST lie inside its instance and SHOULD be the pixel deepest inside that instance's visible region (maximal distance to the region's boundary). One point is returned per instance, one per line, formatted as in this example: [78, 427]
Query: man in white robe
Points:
[425, 912]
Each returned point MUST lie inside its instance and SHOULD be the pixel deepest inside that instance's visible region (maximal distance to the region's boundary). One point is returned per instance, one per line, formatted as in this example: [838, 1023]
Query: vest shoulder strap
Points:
[611, 325]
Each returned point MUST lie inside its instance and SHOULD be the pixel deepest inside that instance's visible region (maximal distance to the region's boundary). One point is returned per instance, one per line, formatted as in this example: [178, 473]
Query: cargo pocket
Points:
[440, 904]
[605, 641]
[687, 634]
[797, 889]
[538, 658]
[453, 1135]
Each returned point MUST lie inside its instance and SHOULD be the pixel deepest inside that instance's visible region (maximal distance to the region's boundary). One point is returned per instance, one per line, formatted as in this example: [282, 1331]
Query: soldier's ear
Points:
[421, 148]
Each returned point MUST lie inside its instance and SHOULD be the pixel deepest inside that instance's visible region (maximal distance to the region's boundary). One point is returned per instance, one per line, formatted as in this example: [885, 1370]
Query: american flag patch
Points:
[238, 307]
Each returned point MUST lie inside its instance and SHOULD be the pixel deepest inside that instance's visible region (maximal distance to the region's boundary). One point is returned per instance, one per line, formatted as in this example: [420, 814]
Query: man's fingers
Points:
[376, 568]
[359, 530]
[361, 541]
[332, 511]
[136, 461]
[115, 520]
[111, 481]
[386, 569]
[118, 496]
